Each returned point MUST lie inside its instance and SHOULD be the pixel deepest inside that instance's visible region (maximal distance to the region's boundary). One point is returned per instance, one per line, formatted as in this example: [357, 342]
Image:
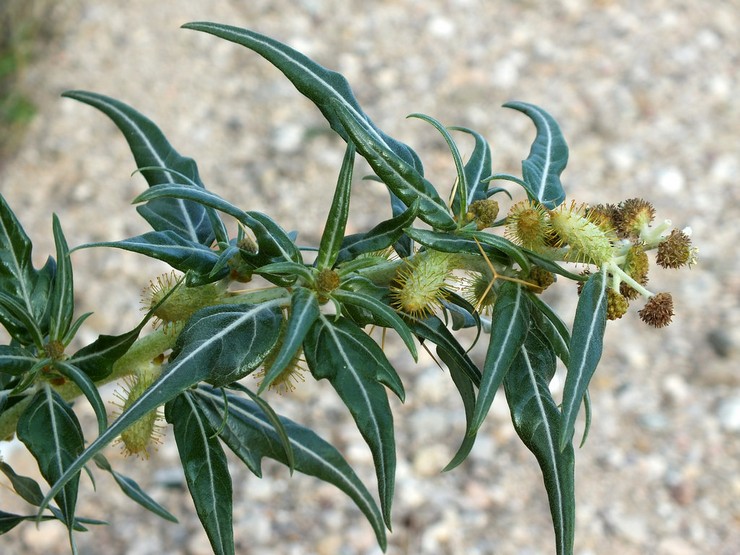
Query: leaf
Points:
[62, 295]
[537, 422]
[509, 326]
[133, 490]
[586, 344]
[317, 83]
[399, 176]
[501, 244]
[304, 310]
[51, 432]
[547, 158]
[551, 326]
[170, 247]
[465, 387]
[477, 168]
[378, 238]
[433, 329]
[384, 315]
[272, 240]
[17, 275]
[88, 388]
[218, 343]
[355, 366]
[8, 521]
[151, 149]
[206, 470]
[336, 221]
[15, 360]
[16, 316]
[461, 192]
[251, 435]
[26, 487]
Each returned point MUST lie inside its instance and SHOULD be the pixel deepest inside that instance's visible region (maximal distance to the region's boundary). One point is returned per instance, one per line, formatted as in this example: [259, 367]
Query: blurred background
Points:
[646, 95]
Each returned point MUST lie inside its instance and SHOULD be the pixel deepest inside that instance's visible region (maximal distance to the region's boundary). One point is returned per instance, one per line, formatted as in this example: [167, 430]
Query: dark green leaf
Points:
[477, 168]
[151, 149]
[88, 388]
[15, 360]
[509, 326]
[206, 470]
[8, 521]
[252, 435]
[26, 487]
[62, 295]
[461, 192]
[272, 240]
[551, 326]
[384, 315]
[304, 310]
[433, 329]
[537, 422]
[17, 275]
[51, 432]
[503, 245]
[219, 344]
[19, 321]
[133, 490]
[467, 394]
[378, 238]
[547, 158]
[336, 221]
[355, 366]
[317, 83]
[400, 177]
[170, 247]
[586, 344]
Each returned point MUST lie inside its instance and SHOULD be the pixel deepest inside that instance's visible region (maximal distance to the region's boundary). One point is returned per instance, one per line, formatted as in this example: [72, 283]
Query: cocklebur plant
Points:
[259, 304]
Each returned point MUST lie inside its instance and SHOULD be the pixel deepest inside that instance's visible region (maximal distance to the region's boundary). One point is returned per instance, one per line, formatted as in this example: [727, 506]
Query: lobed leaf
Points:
[206, 470]
[151, 149]
[355, 366]
[537, 422]
[586, 344]
[245, 428]
[50, 430]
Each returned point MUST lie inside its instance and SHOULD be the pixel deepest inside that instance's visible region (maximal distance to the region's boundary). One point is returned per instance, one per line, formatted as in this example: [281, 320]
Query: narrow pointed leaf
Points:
[150, 148]
[304, 310]
[317, 83]
[219, 344]
[17, 315]
[461, 193]
[433, 330]
[477, 168]
[378, 238]
[26, 487]
[537, 422]
[8, 521]
[133, 490]
[272, 240]
[206, 470]
[170, 247]
[509, 326]
[547, 158]
[89, 390]
[342, 353]
[399, 176]
[252, 436]
[551, 327]
[336, 221]
[51, 432]
[62, 294]
[384, 314]
[466, 389]
[586, 344]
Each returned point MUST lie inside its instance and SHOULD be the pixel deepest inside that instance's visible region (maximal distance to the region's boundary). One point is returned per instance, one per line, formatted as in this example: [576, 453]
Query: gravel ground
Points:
[644, 93]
